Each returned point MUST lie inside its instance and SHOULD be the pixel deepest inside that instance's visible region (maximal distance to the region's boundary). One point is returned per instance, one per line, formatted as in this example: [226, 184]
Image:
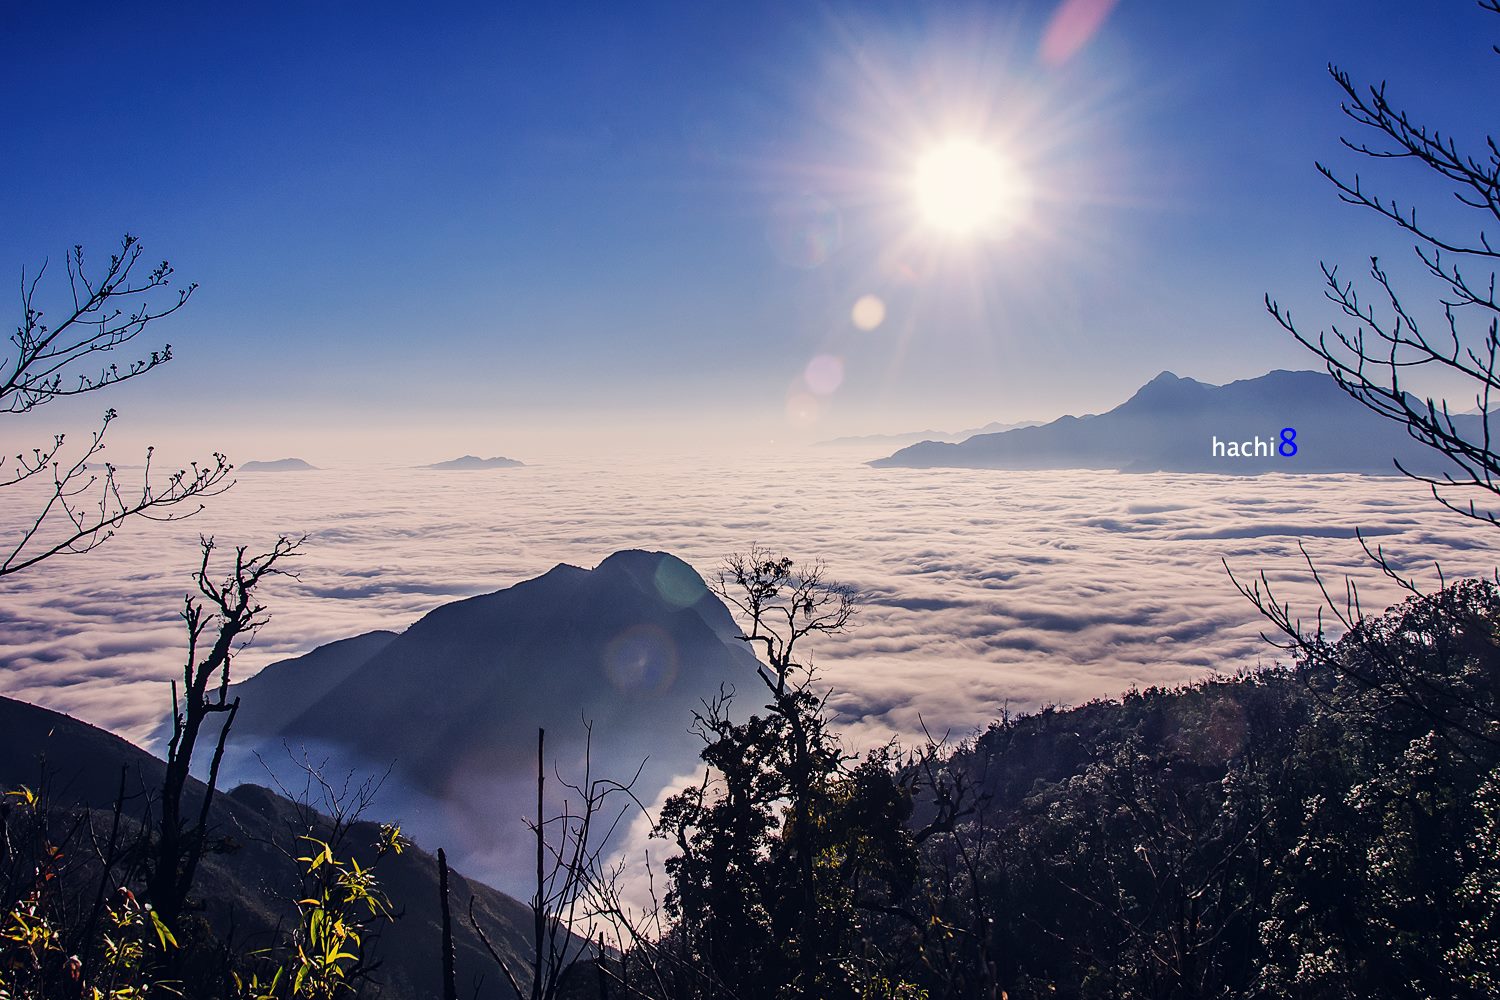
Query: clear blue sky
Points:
[513, 228]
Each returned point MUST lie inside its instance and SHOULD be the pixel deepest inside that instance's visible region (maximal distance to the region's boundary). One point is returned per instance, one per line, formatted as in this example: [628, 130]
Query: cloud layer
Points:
[981, 589]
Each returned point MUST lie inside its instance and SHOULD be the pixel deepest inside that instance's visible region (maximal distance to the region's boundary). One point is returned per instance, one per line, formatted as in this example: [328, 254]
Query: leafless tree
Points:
[780, 606]
[653, 961]
[78, 505]
[1391, 338]
[575, 887]
[220, 618]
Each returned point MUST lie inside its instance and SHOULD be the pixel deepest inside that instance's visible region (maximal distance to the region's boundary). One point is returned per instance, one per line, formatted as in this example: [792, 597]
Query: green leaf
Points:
[163, 932]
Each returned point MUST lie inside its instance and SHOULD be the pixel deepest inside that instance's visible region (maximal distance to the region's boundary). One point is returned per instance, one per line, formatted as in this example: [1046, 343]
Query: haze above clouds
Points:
[981, 589]
[524, 231]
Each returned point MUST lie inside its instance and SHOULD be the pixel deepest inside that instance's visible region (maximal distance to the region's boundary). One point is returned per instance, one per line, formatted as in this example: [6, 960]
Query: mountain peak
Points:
[1168, 390]
[626, 558]
[634, 645]
[666, 577]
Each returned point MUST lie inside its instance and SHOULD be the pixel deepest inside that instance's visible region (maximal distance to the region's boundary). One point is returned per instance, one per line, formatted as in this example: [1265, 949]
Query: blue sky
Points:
[423, 229]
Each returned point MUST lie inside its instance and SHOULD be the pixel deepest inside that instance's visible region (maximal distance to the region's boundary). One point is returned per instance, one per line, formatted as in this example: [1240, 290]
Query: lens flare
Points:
[824, 374]
[802, 408]
[868, 313]
[1071, 27]
[804, 230]
[677, 584]
[642, 658]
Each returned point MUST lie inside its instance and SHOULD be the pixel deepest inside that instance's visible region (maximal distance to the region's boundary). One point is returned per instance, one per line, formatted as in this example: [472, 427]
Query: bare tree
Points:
[78, 507]
[781, 606]
[220, 618]
[654, 960]
[1392, 338]
[450, 981]
[575, 888]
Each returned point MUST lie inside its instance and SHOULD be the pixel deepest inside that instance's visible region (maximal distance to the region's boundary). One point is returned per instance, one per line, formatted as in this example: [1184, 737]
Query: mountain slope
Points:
[1171, 424]
[452, 705]
[312, 674]
[251, 886]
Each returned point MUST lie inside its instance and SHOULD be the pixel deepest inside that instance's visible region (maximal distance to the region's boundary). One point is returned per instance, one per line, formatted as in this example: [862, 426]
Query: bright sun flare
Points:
[966, 188]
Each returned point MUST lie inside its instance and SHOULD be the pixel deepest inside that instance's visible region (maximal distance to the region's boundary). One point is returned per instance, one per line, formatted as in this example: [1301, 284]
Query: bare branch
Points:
[107, 312]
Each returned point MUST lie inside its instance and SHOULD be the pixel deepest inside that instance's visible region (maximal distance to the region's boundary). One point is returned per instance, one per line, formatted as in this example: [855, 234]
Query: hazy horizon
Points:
[666, 229]
[407, 443]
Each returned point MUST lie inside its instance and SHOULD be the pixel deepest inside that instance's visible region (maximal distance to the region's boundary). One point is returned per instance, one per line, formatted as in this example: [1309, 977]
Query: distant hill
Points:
[1171, 425]
[913, 437]
[250, 887]
[454, 701]
[279, 465]
[468, 462]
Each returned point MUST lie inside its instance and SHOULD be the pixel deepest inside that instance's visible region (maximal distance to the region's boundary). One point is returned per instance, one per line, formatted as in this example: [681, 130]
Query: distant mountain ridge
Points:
[469, 462]
[1174, 424]
[454, 701]
[279, 465]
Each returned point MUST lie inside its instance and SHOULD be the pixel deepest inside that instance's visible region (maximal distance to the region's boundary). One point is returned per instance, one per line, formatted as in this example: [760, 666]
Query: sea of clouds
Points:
[980, 590]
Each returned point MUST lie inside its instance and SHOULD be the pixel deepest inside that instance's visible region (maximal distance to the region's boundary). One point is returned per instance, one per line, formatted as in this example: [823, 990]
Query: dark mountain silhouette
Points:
[468, 462]
[454, 702]
[1171, 423]
[279, 465]
[312, 675]
[251, 887]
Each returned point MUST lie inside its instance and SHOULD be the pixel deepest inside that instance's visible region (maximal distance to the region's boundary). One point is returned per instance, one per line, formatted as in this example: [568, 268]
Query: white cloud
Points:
[984, 588]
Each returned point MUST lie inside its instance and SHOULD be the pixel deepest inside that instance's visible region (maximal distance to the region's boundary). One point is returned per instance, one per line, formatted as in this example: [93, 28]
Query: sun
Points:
[966, 188]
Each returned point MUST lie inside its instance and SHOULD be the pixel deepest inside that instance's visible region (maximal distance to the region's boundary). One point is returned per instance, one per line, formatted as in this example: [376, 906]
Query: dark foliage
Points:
[1297, 833]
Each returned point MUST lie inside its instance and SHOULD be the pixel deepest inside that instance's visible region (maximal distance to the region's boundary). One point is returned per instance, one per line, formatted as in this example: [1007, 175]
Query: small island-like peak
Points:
[279, 465]
[468, 462]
